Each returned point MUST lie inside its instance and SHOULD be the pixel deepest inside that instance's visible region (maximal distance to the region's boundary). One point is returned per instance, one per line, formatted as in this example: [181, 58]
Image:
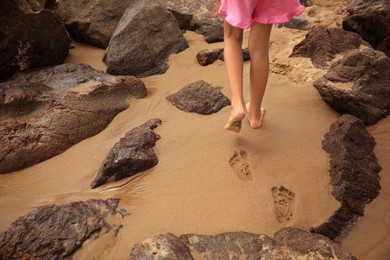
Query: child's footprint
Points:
[284, 202]
[240, 164]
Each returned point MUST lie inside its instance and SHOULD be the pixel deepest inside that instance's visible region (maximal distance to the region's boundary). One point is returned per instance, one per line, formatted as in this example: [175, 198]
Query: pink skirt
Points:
[242, 13]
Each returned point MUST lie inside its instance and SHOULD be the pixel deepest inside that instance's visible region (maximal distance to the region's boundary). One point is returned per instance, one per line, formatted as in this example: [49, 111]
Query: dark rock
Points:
[29, 39]
[369, 98]
[306, 3]
[205, 18]
[354, 173]
[131, 155]
[56, 232]
[43, 113]
[323, 43]
[166, 246]
[91, 21]
[199, 97]
[146, 35]
[291, 242]
[299, 23]
[209, 56]
[371, 19]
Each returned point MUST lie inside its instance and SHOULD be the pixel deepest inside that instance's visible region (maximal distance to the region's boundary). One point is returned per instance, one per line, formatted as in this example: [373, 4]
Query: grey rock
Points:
[323, 43]
[354, 173]
[205, 18]
[291, 242]
[56, 232]
[299, 23]
[146, 35]
[44, 112]
[131, 155]
[209, 56]
[91, 21]
[29, 38]
[369, 97]
[199, 97]
[371, 19]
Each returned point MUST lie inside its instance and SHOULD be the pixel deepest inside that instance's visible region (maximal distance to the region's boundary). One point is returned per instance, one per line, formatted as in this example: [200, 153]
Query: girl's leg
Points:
[234, 66]
[258, 48]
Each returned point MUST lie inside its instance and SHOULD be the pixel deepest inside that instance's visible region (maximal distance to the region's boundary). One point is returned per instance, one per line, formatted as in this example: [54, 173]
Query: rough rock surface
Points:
[371, 19]
[199, 97]
[43, 113]
[203, 16]
[291, 242]
[56, 232]
[369, 97]
[209, 56]
[29, 39]
[299, 23]
[323, 43]
[354, 173]
[146, 35]
[131, 155]
[91, 21]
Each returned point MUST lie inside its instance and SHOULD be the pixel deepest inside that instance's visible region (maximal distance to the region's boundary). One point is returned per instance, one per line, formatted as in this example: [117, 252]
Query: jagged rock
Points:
[56, 232]
[91, 21]
[323, 43]
[371, 19]
[369, 98]
[146, 35]
[199, 97]
[29, 39]
[131, 155]
[46, 111]
[354, 173]
[306, 2]
[299, 23]
[204, 15]
[291, 242]
[166, 246]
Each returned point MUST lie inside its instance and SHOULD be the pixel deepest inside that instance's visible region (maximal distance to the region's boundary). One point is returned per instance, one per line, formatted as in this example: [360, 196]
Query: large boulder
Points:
[323, 43]
[199, 16]
[45, 112]
[199, 97]
[56, 232]
[29, 38]
[146, 35]
[371, 19]
[354, 173]
[369, 97]
[131, 155]
[91, 21]
[291, 242]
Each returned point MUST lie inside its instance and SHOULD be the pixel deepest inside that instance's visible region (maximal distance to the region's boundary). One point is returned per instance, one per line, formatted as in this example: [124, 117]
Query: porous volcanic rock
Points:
[354, 173]
[199, 16]
[146, 35]
[91, 21]
[56, 232]
[371, 19]
[369, 97]
[199, 97]
[45, 112]
[131, 155]
[29, 38]
[291, 242]
[323, 43]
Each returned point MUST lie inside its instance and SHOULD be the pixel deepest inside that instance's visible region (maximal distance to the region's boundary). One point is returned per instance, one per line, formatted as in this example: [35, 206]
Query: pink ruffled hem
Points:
[276, 19]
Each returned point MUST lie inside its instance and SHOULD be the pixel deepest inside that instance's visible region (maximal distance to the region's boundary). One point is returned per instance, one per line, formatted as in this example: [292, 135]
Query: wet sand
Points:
[194, 189]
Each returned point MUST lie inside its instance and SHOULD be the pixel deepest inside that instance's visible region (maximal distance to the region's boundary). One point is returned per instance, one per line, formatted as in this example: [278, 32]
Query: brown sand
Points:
[194, 188]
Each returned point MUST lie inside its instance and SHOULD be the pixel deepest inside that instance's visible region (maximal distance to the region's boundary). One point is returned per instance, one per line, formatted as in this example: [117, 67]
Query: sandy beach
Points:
[194, 189]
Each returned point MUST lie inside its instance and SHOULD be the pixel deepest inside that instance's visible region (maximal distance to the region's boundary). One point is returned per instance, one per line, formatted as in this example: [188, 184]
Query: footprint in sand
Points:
[284, 202]
[240, 164]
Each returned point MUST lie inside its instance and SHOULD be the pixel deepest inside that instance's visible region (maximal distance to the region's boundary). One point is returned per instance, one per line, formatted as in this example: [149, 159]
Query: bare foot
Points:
[255, 120]
[234, 123]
